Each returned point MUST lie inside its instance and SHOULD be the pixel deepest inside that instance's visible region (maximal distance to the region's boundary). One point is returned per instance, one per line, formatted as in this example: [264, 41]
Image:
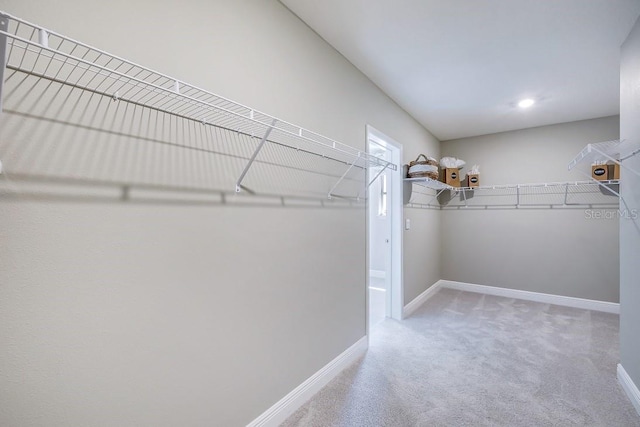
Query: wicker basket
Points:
[427, 168]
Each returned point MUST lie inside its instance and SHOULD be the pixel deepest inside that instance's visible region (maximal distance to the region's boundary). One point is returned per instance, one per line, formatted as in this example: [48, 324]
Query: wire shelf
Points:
[34, 51]
[613, 151]
[554, 194]
[429, 183]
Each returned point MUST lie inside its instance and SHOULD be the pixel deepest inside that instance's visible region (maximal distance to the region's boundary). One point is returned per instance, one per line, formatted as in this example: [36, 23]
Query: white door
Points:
[379, 239]
[384, 288]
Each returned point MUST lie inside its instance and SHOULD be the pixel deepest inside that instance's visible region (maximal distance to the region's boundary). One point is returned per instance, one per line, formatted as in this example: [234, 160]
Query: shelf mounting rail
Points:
[35, 51]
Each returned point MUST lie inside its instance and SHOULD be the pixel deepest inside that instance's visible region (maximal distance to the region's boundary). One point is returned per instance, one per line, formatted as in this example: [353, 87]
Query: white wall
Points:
[182, 314]
[422, 251]
[555, 251]
[630, 229]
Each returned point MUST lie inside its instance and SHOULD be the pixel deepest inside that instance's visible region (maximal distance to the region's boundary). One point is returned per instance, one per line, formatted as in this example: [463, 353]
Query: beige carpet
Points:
[466, 359]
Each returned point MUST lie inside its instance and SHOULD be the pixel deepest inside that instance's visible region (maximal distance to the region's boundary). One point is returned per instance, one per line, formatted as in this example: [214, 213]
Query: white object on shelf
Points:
[48, 55]
[452, 163]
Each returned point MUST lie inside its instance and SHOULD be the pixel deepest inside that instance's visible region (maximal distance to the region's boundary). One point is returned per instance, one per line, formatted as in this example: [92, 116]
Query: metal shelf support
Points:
[377, 175]
[254, 155]
[330, 195]
[372, 181]
[603, 184]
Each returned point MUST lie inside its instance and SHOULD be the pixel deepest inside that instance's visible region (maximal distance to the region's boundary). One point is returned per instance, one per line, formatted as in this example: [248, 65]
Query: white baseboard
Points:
[586, 304]
[379, 274]
[286, 406]
[410, 308]
[629, 387]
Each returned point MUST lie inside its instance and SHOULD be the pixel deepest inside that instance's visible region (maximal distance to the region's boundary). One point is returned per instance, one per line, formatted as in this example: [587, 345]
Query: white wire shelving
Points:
[615, 151]
[536, 195]
[429, 183]
[35, 51]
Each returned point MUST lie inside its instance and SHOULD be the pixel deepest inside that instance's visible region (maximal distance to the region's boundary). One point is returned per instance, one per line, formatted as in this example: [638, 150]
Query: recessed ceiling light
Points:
[526, 103]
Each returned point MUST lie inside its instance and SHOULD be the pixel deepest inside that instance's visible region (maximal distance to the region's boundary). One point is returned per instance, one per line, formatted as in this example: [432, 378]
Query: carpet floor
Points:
[467, 359]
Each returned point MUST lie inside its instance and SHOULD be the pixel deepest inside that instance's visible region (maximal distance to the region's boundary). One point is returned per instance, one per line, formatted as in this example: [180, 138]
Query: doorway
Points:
[384, 232]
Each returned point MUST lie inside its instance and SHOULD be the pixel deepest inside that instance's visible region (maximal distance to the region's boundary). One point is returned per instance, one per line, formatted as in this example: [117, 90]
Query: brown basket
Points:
[432, 175]
[426, 161]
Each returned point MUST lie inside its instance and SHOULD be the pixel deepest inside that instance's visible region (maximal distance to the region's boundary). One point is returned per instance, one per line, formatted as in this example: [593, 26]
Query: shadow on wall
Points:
[59, 142]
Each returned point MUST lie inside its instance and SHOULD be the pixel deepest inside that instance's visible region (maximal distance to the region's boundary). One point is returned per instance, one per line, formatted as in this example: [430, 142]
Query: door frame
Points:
[395, 207]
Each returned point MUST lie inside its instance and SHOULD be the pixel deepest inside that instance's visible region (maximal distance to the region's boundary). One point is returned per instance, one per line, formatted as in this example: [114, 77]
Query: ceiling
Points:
[460, 67]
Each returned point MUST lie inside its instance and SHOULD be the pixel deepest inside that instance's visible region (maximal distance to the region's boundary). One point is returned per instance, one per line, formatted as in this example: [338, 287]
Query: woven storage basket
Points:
[427, 168]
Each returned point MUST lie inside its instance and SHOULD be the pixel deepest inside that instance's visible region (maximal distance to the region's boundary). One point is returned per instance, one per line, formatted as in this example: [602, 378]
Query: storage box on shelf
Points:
[600, 172]
[605, 171]
[606, 159]
[472, 181]
[614, 171]
[613, 152]
[451, 176]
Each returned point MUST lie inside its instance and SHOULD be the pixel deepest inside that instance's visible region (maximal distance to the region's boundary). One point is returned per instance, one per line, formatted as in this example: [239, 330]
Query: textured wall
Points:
[556, 251]
[167, 313]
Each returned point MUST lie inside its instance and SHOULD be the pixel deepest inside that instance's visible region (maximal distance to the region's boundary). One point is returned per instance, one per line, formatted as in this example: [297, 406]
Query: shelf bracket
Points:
[377, 175]
[4, 27]
[615, 193]
[603, 185]
[330, 195]
[566, 193]
[373, 180]
[435, 197]
[254, 155]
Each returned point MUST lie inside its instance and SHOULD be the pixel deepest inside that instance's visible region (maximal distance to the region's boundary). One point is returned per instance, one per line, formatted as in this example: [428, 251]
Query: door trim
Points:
[395, 205]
